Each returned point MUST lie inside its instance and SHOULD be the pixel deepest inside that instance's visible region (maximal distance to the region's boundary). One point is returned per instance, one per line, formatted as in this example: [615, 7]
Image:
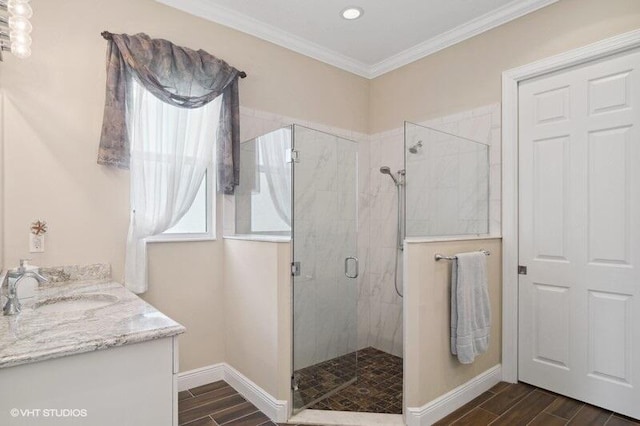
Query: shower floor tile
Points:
[378, 388]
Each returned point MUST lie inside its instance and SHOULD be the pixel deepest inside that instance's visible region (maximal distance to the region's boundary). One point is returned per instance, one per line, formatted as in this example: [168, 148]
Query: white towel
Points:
[470, 309]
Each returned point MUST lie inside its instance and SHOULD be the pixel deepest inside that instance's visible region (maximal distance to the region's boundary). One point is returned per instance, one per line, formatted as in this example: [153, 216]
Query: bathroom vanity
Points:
[88, 353]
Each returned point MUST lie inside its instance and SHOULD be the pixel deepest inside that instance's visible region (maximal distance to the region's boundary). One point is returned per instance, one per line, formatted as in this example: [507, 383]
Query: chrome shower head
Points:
[414, 149]
[385, 170]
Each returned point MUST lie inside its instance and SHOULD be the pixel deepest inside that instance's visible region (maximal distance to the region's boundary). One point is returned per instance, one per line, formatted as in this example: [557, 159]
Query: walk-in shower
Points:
[346, 300]
[304, 183]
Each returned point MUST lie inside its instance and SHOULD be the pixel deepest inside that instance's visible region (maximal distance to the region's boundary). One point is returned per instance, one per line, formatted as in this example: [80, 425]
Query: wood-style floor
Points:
[522, 404]
[218, 404]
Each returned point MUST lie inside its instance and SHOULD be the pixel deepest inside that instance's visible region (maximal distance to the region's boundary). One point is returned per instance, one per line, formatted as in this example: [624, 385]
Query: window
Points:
[261, 202]
[170, 140]
[199, 222]
[263, 198]
[264, 209]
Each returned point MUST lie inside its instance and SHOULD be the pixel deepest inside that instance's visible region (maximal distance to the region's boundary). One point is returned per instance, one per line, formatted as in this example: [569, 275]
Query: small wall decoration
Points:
[39, 227]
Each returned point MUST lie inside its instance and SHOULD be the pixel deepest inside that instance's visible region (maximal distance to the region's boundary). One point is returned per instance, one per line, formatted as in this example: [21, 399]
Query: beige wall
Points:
[54, 102]
[427, 320]
[257, 305]
[468, 75]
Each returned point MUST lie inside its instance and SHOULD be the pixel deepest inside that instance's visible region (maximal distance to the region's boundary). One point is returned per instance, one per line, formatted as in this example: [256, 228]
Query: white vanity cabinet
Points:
[87, 353]
[133, 384]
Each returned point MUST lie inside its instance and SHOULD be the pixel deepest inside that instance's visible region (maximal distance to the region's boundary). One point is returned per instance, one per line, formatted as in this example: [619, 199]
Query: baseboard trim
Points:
[200, 376]
[276, 410]
[440, 407]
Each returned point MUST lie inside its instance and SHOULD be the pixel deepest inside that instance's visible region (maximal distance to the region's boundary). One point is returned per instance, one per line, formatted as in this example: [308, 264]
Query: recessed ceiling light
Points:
[352, 13]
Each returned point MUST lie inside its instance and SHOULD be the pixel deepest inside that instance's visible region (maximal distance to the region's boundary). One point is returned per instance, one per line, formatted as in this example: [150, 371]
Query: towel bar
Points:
[439, 256]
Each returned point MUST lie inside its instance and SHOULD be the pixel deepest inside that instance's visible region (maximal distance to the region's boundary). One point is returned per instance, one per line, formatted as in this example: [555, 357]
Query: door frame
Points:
[510, 164]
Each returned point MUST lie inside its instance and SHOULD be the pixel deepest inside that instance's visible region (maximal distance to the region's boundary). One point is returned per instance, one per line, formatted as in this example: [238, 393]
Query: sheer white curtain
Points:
[171, 149]
[274, 148]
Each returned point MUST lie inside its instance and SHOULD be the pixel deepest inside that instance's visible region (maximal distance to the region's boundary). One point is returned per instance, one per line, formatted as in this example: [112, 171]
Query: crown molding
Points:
[495, 18]
[256, 28]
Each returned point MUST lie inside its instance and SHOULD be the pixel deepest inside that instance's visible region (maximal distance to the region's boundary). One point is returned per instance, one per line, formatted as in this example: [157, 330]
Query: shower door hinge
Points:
[295, 269]
[294, 383]
[294, 156]
[522, 270]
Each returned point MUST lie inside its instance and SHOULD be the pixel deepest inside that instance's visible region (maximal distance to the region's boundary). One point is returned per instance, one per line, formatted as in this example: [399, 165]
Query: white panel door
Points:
[579, 303]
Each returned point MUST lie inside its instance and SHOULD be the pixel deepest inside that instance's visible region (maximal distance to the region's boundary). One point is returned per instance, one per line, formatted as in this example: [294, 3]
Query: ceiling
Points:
[390, 34]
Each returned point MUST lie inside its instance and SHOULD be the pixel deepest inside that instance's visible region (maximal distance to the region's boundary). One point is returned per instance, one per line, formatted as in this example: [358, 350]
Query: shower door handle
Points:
[346, 267]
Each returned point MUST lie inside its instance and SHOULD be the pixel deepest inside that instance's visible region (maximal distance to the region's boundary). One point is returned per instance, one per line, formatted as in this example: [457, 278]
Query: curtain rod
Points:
[109, 36]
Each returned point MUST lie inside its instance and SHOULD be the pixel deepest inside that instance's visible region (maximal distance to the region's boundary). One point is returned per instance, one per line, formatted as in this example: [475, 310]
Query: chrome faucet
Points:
[12, 307]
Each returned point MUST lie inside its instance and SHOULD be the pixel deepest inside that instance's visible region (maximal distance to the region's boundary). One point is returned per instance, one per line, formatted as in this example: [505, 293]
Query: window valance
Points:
[178, 76]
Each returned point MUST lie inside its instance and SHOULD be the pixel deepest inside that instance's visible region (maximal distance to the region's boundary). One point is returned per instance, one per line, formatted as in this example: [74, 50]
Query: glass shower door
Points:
[325, 266]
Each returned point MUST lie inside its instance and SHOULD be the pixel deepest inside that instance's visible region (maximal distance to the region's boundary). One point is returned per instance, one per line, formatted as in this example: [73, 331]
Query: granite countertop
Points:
[42, 331]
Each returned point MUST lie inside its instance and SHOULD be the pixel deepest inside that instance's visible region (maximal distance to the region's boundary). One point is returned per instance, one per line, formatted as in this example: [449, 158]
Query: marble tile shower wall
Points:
[481, 124]
[379, 307]
[448, 185]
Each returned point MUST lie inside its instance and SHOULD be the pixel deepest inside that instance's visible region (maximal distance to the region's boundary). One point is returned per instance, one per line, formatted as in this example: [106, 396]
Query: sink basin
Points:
[84, 302]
